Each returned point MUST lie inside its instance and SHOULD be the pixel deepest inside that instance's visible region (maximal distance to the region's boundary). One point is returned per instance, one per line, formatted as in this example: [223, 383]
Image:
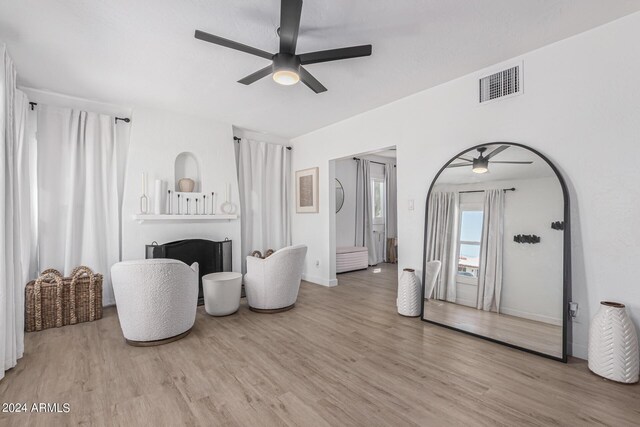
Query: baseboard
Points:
[319, 280]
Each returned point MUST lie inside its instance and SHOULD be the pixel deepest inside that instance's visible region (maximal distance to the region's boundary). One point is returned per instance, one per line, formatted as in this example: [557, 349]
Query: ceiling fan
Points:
[480, 164]
[287, 67]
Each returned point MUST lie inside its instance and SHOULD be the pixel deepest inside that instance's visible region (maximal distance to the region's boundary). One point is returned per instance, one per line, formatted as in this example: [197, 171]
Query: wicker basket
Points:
[53, 301]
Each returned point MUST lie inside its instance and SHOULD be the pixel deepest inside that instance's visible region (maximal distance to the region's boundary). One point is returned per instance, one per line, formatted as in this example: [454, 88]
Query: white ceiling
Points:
[143, 54]
[498, 171]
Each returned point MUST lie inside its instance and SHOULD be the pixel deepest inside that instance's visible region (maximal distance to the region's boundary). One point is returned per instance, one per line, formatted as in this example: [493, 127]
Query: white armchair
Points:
[156, 299]
[272, 284]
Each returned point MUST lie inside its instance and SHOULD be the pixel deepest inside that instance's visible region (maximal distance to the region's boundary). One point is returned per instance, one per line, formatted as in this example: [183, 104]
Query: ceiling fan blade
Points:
[252, 78]
[311, 81]
[290, 11]
[512, 163]
[458, 165]
[201, 35]
[335, 54]
[496, 151]
[465, 159]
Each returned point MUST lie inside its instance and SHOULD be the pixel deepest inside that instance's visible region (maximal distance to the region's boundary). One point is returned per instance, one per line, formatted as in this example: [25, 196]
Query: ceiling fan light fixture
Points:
[286, 77]
[286, 69]
[480, 165]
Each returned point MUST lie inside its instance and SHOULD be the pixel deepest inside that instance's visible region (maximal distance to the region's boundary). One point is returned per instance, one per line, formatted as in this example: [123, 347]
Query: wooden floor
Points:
[538, 336]
[341, 357]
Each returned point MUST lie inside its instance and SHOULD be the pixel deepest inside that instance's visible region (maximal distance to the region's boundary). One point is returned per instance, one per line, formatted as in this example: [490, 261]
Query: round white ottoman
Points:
[222, 293]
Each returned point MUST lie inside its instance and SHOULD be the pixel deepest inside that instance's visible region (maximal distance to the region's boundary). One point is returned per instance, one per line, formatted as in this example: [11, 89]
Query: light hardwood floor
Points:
[538, 336]
[341, 357]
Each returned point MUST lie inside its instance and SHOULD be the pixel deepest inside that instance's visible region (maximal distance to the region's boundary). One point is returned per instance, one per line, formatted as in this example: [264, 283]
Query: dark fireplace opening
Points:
[212, 257]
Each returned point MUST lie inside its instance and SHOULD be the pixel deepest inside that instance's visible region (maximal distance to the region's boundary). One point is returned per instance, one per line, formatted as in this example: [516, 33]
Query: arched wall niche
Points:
[187, 166]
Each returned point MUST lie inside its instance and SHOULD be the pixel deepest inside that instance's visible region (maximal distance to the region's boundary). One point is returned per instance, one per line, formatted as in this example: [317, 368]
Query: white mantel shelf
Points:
[182, 218]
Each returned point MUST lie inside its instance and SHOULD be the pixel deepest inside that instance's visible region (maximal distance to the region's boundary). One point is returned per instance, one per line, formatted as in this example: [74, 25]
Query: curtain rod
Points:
[237, 139]
[373, 161]
[124, 119]
[482, 191]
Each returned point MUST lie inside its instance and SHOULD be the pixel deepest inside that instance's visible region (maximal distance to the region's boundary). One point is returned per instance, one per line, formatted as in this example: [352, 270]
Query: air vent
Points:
[501, 84]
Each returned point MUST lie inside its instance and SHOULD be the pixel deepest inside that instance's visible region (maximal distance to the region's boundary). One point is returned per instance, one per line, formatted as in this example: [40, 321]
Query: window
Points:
[377, 200]
[470, 234]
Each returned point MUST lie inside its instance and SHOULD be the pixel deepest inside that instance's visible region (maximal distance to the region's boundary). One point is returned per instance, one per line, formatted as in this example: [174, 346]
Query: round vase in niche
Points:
[186, 185]
[613, 344]
[409, 293]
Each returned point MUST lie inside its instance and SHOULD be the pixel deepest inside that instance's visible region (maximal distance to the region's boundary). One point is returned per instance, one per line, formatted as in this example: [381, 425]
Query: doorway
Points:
[365, 221]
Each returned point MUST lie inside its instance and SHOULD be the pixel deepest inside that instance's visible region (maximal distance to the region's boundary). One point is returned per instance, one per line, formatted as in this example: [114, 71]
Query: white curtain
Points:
[442, 231]
[364, 215]
[17, 263]
[78, 192]
[264, 178]
[391, 190]
[490, 272]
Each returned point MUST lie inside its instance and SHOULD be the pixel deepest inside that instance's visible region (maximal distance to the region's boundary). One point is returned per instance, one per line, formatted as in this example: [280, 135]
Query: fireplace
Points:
[212, 257]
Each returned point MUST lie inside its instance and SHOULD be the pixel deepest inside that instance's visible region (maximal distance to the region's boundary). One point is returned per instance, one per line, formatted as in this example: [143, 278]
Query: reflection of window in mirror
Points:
[377, 200]
[469, 236]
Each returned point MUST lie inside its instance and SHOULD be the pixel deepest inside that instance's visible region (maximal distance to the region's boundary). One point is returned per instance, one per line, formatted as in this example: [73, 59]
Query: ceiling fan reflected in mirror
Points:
[286, 66]
[481, 163]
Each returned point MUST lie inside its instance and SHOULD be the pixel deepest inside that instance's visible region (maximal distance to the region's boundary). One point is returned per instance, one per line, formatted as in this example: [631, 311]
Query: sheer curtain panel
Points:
[16, 260]
[490, 272]
[364, 210]
[442, 232]
[264, 178]
[78, 192]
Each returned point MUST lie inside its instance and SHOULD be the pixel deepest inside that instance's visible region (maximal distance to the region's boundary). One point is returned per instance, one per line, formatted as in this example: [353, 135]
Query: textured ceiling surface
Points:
[143, 54]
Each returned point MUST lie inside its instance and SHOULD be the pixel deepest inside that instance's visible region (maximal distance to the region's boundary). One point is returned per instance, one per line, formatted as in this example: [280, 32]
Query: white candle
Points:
[143, 183]
[226, 192]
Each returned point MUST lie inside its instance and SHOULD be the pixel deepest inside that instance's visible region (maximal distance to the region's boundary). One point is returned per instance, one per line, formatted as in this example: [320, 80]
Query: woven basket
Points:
[53, 301]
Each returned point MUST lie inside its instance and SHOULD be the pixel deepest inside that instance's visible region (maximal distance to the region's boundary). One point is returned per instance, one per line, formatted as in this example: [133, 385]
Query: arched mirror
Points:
[497, 257]
[339, 195]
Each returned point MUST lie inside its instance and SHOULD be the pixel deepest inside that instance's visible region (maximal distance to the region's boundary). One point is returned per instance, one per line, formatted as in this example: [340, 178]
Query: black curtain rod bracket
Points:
[33, 105]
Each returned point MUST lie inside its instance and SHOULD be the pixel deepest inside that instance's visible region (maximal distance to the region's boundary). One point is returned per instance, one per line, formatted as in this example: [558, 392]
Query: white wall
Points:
[532, 273]
[579, 108]
[157, 137]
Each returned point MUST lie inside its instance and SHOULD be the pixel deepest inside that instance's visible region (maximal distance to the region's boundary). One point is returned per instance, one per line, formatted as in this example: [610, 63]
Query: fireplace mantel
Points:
[182, 218]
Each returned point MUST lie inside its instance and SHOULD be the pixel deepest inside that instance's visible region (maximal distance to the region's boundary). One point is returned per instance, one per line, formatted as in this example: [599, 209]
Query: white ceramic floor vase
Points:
[408, 301]
[613, 344]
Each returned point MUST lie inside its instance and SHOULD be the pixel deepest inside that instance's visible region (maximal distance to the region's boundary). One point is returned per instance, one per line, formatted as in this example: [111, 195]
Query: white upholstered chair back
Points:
[156, 298]
[273, 283]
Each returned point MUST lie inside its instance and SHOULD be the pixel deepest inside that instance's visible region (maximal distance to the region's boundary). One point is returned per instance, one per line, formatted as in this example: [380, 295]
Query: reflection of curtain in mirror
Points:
[442, 230]
[364, 214]
[490, 272]
[391, 224]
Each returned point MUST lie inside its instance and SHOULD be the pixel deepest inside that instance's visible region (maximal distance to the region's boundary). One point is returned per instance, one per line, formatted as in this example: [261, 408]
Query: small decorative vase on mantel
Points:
[186, 185]
[613, 344]
[409, 291]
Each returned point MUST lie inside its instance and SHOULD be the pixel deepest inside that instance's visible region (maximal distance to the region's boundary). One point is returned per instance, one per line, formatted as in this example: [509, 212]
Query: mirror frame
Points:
[338, 209]
[566, 254]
